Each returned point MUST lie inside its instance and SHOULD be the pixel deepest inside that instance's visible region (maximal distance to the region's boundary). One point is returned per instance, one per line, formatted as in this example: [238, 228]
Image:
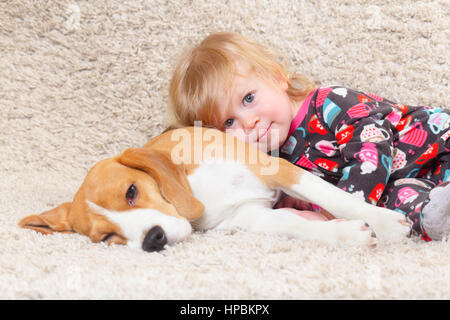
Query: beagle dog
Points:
[199, 178]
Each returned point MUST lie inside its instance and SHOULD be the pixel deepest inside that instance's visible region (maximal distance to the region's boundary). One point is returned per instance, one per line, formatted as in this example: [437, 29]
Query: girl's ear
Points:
[284, 84]
[281, 81]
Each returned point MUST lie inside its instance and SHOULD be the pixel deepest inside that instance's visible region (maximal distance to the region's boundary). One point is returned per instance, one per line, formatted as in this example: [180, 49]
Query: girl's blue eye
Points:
[229, 123]
[249, 98]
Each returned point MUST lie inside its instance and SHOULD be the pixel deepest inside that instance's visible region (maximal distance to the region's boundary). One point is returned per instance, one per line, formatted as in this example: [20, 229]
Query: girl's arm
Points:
[364, 127]
[302, 208]
[367, 153]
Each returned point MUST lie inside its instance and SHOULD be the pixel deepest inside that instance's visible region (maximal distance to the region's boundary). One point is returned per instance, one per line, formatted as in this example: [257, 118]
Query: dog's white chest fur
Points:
[223, 186]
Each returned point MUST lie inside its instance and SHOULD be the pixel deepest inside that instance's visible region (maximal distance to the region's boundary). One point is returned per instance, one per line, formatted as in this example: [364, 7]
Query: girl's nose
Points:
[249, 123]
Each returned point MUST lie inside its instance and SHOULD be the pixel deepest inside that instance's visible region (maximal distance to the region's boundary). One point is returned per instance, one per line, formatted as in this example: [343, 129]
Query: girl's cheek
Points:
[239, 134]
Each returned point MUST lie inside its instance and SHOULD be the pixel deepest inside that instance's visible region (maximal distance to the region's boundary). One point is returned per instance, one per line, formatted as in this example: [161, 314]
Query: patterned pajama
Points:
[389, 154]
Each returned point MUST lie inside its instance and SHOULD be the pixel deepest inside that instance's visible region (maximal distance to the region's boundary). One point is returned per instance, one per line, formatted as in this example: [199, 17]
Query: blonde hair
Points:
[204, 73]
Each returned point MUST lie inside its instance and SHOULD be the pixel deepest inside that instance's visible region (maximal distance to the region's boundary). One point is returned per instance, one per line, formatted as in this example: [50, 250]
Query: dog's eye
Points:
[113, 238]
[107, 237]
[131, 194]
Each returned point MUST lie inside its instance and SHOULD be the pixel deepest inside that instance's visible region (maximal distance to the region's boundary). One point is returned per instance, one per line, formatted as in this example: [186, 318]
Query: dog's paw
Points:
[353, 232]
[389, 225]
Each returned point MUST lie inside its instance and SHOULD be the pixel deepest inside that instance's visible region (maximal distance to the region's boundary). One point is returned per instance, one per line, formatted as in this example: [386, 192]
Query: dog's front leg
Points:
[388, 224]
[259, 219]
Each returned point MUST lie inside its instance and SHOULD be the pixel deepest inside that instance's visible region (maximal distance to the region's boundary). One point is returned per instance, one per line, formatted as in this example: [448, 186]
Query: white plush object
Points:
[81, 81]
[437, 213]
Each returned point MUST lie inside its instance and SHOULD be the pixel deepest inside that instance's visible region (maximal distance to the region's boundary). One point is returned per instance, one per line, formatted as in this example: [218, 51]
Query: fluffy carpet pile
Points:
[83, 80]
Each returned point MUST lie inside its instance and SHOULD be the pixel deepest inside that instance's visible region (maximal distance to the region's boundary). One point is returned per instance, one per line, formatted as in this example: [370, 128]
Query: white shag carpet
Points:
[83, 80]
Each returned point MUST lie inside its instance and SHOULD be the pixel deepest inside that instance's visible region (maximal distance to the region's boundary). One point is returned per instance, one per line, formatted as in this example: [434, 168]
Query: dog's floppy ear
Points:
[55, 219]
[171, 179]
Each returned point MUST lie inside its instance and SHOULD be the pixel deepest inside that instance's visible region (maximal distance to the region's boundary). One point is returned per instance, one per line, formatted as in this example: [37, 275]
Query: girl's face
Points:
[260, 111]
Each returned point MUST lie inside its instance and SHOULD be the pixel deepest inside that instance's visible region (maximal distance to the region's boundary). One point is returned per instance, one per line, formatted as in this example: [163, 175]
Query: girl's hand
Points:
[291, 202]
[302, 208]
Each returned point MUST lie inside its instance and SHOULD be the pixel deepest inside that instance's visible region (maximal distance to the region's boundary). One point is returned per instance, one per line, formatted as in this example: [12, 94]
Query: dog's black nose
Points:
[155, 240]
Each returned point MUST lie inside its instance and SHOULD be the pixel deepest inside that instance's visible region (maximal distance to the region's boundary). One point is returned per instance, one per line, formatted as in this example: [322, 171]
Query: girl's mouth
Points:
[265, 133]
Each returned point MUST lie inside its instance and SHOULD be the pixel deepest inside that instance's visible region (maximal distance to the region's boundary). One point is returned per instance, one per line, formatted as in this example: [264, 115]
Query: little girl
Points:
[389, 154]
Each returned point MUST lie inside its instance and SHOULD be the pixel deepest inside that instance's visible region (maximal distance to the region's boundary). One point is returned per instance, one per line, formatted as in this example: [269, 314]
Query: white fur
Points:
[234, 197]
[223, 187]
[386, 223]
[135, 224]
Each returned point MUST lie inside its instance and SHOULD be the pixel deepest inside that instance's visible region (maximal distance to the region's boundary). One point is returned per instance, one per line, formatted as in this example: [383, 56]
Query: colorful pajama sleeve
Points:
[366, 144]
[368, 164]
[365, 140]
